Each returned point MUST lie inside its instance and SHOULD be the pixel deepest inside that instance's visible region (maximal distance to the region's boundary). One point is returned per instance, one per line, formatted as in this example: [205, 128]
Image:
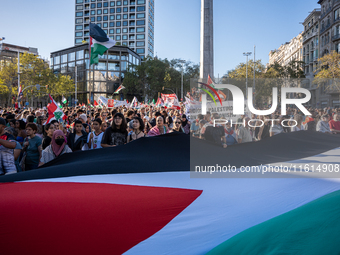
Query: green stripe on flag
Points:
[309, 229]
[96, 50]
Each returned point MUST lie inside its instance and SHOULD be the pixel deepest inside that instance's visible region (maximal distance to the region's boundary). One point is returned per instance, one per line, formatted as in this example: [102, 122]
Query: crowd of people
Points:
[27, 141]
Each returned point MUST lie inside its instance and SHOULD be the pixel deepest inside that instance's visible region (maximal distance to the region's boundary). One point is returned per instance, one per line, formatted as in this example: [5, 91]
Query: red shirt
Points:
[333, 124]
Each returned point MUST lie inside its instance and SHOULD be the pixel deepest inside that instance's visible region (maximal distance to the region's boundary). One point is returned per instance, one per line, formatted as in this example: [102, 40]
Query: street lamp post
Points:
[182, 61]
[246, 54]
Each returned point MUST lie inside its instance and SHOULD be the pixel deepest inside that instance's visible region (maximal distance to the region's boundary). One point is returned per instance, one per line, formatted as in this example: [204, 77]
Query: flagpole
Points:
[90, 68]
[18, 77]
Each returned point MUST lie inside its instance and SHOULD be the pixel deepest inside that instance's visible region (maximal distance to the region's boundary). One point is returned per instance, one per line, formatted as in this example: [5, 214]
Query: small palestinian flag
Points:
[119, 89]
[64, 100]
[54, 111]
[210, 82]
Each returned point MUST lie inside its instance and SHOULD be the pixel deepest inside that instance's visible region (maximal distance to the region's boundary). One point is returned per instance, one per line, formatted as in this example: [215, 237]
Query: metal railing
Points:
[335, 37]
[325, 28]
[326, 12]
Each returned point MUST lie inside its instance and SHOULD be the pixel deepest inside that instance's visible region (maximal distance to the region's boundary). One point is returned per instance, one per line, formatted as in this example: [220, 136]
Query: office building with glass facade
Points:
[102, 79]
[129, 22]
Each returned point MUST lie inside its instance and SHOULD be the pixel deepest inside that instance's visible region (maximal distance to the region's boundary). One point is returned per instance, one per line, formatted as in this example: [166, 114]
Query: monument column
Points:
[207, 40]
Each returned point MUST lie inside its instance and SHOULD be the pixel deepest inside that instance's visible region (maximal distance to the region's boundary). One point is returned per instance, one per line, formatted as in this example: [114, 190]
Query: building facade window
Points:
[79, 14]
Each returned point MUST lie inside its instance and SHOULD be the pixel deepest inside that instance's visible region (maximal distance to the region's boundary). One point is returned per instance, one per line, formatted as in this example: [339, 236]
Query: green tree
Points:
[328, 72]
[153, 74]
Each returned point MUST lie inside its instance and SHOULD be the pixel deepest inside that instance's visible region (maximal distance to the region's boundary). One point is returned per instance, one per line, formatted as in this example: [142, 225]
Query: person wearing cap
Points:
[7, 146]
[323, 124]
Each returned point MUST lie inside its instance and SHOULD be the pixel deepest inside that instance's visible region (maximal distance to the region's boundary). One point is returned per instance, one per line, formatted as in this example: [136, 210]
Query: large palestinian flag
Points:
[120, 201]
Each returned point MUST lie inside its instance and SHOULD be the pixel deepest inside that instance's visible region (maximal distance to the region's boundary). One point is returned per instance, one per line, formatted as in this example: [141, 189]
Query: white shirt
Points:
[96, 141]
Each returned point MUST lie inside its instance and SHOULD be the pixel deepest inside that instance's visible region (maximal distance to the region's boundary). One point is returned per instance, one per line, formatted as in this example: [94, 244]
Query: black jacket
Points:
[76, 146]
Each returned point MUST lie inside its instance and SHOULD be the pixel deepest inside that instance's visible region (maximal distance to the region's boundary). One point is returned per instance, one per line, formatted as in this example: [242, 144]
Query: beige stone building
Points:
[287, 52]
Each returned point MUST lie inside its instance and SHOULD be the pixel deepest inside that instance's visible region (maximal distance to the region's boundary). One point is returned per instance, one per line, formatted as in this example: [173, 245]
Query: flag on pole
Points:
[210, 82]
[20, 94]
[95, 103]
[54, 112]
[134, 102]
[99, 42]
[119, 89]
[64, 100]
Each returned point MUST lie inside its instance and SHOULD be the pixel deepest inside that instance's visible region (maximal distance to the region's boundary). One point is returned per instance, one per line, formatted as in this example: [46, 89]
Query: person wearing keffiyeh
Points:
[159, 129]
[57, 147]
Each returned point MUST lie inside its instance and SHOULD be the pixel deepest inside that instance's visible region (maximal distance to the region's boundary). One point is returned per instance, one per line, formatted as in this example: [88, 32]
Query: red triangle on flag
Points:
[69, 218]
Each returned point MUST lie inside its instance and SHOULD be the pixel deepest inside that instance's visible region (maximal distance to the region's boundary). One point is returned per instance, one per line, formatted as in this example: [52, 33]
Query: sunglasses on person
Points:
[178, 122]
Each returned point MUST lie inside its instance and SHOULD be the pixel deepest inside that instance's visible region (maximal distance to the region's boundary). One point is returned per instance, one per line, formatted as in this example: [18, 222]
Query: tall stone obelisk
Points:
[207, 39]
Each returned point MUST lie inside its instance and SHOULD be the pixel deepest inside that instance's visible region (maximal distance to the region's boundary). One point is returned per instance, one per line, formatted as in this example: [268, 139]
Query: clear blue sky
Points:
[238, 25]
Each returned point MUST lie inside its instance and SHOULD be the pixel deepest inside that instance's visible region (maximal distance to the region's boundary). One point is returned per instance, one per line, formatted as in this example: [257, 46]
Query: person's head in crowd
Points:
[10, 117]
[336, 117]
[49, 129]
[97, 124]
[325, 117]
[130, 114]
[56, 124]
[177, 124]
[12, 131]
[184, 119]
[20, 125]
[82, 118]
[12, 123]
[119, 122]
[157, 114]
[298, 118]
[246, 121]
[87, 128]
[200, 117]
[103, 115]
[70, 119]
[30, 119]
[58, 142]
[25, 114]
[160, 122]
[137, 124]
[168, 120]
[207, 117]
[41, 120]
[31, 129]
[113, 112]
[2, 125]
[78, 127]
[104, 126]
